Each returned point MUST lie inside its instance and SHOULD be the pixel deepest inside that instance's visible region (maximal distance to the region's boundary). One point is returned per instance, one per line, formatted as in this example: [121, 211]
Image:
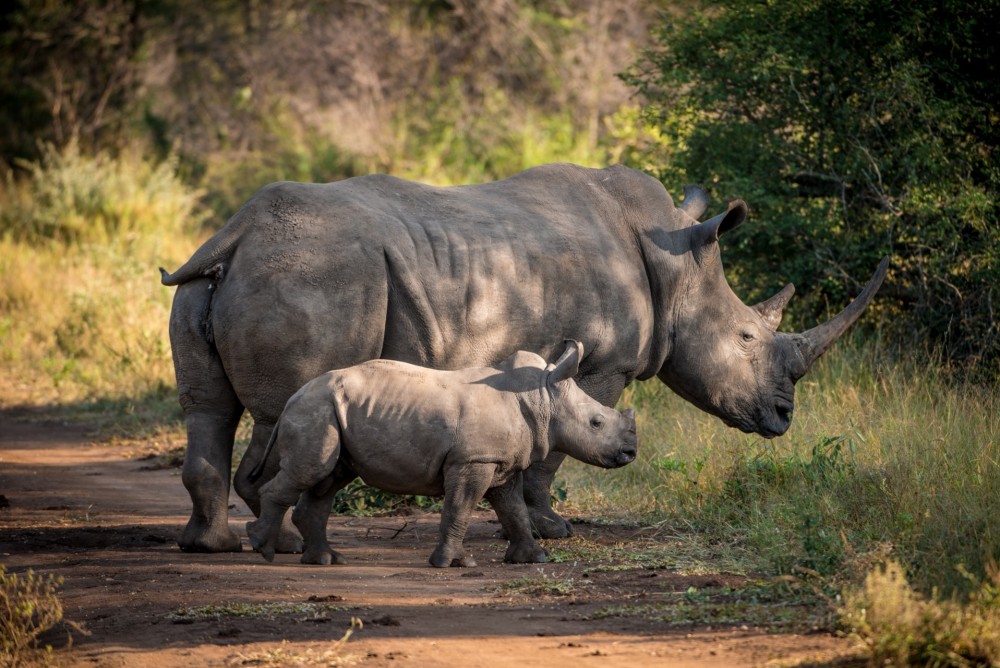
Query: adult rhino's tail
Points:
[212, 258]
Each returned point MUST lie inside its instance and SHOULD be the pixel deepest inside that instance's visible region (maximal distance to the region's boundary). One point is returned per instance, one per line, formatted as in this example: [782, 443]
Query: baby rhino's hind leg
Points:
[275, 499]
[312, 513]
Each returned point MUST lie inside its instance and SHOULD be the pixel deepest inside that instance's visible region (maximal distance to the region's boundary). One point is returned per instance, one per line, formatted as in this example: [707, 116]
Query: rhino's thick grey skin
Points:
[407, 429]
[306, 278]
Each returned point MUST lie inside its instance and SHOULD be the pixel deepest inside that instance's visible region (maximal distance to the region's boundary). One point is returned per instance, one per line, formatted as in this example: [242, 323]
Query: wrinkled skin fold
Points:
[311, 277]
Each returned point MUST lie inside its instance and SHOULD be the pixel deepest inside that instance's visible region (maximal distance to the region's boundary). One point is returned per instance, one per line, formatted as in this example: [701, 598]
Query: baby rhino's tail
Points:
[258, 470]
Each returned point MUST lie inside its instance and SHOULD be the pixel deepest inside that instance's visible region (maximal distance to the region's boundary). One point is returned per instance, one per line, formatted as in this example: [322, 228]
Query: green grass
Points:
[253, 611]
[883, 458]
[777, 605]
[541, 585]
[688, 553]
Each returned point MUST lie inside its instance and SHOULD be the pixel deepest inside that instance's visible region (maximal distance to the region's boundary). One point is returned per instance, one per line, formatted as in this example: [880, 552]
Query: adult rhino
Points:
[310, 277]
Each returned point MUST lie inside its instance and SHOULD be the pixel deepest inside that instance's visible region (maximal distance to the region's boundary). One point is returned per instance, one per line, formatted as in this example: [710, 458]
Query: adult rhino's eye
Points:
[597, 422]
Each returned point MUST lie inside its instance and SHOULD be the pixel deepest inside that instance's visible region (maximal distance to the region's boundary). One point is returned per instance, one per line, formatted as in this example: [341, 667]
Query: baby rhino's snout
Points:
[630, 440]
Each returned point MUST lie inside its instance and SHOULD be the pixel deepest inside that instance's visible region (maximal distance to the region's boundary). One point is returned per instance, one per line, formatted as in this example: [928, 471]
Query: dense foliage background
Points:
[247, 92]
[854, 129]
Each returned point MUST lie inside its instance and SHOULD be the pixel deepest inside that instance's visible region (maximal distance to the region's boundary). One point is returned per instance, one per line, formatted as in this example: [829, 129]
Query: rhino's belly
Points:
[395, 455]
[399, 478]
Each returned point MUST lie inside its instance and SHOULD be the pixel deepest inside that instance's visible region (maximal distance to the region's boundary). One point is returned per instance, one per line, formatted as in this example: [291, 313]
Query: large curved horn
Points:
[816, 341]
[695, 201]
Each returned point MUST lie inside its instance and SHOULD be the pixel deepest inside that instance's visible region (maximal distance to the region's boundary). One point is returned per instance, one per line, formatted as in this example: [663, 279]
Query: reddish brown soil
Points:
[97, 517]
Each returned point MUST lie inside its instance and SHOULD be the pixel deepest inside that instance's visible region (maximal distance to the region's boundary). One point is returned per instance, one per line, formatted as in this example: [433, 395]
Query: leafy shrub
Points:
[28, 607]
[101, 199]
[357, 498]
[82, 311]
[853, 130]
[902, 628]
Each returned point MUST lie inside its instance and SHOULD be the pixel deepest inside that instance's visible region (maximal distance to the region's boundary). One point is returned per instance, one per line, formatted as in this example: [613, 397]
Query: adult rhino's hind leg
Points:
[212, 412]
[538, 477]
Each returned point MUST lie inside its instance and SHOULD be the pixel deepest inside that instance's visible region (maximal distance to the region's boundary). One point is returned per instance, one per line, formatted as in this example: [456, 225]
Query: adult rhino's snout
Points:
[777, 423]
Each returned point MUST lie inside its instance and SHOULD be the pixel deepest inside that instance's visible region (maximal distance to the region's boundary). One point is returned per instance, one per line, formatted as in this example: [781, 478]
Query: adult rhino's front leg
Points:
[212, 412]
[508, 502]
[538, 477]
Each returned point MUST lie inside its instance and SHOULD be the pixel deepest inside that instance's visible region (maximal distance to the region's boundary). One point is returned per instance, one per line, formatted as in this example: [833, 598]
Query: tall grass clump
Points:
[29, 606]
[902, 628]
[82, 312]
[884, 459]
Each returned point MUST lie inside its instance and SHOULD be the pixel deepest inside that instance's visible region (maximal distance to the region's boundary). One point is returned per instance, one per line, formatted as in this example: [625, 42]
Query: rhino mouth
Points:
[775, 423]
[768, 424]
[624, 456]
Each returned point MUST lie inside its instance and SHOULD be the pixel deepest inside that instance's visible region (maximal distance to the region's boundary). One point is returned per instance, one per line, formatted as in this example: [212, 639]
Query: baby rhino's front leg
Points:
[464, 487]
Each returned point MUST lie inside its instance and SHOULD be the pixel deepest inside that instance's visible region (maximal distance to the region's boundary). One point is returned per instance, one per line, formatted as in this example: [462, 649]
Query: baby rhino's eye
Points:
[597, 421]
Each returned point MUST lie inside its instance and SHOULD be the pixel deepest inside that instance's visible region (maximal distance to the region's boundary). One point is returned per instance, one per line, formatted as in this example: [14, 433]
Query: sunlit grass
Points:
[902, 628]
[83, 316]
[883, 457]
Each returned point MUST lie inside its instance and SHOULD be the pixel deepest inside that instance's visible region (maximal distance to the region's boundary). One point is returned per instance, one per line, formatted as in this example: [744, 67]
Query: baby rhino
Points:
[406, 429]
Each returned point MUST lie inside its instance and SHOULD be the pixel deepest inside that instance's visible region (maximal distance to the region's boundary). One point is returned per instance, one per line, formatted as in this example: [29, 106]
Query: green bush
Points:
[902, 628]
[853, 130]
[99, 199]
[29, 606]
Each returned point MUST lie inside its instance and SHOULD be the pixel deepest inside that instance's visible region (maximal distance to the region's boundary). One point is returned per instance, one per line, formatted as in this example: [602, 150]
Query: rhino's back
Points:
[308, 228]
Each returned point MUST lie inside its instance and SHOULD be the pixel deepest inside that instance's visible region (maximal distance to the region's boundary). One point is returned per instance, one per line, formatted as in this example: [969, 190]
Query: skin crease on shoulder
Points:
[465, 434]
[310, 277]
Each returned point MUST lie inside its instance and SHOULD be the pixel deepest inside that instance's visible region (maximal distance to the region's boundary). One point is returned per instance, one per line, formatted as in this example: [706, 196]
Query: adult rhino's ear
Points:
[707, 233]
[568, 363]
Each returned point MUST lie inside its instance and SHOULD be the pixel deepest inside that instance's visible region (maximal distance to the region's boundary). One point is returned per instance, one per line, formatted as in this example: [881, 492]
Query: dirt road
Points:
[95, 515]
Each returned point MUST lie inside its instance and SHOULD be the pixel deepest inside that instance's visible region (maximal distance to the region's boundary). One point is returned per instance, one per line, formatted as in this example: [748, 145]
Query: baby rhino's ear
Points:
[568, 363]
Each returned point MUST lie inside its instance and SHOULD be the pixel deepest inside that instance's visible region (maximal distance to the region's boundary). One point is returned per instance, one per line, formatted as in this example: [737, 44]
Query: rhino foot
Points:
[549, 524]
[440, 560]
[258, 540]
[323, 557]
[202, 536]
[289, 540]
[526, 553]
